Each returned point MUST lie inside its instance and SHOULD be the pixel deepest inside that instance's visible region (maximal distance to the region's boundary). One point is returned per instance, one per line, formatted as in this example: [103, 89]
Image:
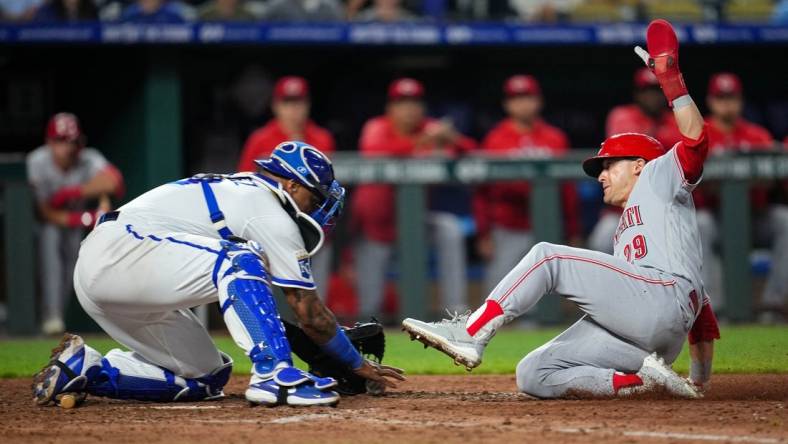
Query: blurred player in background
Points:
[66, 176]
[730, 133]
[501, 210]
[648, 114]
[291, 105]
[406, 131]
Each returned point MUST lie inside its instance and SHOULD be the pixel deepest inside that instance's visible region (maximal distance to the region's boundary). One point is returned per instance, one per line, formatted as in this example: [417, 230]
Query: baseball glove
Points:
[369, 340]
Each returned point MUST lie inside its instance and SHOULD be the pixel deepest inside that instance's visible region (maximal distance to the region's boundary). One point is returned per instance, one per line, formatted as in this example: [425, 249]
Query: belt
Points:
[106, 217]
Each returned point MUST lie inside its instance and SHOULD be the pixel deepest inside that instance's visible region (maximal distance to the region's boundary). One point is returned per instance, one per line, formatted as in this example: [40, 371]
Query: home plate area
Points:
[426, 409]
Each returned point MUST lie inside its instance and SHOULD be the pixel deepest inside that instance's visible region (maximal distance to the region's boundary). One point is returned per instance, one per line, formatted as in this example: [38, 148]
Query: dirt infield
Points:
[428, 409]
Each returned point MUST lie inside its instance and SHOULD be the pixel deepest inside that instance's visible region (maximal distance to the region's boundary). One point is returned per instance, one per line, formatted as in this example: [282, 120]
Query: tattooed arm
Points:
[316, 320]
[319, 324]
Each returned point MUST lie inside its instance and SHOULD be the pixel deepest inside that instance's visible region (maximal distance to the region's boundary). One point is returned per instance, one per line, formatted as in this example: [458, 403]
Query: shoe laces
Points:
[456, 317]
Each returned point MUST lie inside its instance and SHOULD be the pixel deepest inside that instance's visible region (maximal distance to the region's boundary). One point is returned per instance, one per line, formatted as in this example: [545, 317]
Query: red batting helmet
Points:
[64, 126]
[623, 146]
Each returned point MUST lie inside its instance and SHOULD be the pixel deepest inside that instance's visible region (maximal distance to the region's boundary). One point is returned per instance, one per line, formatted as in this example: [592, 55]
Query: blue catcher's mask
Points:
[311, 168]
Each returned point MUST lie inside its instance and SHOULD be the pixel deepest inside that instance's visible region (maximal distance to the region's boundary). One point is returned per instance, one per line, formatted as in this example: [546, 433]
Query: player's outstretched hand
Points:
[380, 373]
[662, 58]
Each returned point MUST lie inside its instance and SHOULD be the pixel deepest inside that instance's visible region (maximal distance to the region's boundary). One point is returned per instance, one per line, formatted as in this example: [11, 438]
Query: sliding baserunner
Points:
[639, 303]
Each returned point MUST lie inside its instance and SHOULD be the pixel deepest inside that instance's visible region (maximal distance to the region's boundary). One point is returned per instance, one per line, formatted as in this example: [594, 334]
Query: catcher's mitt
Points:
[367, 337]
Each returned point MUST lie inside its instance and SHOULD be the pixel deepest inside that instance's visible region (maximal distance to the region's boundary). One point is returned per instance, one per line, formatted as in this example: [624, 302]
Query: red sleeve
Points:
[377, 141]
[692, 154]
[464, 144]
[252, 150]
[329, 146]
[120, 185]
[481, 210]
[617, 122]
[761, 138]
[571, 210]
[705, 327]
[569, 198]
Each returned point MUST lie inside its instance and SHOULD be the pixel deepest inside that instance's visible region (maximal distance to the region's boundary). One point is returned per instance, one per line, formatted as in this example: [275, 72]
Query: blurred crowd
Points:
[492, 222]
[536, 11]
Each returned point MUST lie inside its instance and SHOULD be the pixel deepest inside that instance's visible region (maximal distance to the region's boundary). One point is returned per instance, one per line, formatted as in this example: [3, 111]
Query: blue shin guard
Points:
[124, 376]
[250, 313]
[77, 368]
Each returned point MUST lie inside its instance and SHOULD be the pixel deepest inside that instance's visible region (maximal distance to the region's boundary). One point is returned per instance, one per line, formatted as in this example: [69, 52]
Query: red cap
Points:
[621, 146]
[64, 126]
[521, 85]
[291, 87]
[724, 83]
[644, 78]
[406, 88]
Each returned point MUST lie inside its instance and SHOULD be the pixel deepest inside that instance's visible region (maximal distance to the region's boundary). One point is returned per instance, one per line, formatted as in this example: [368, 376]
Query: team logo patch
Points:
[305, 265]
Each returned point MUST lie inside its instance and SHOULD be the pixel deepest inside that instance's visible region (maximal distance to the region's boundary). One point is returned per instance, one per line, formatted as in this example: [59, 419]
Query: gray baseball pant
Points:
[630, 312]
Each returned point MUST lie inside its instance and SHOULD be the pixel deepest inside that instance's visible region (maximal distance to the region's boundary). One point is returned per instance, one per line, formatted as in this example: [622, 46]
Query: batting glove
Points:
[662, 58]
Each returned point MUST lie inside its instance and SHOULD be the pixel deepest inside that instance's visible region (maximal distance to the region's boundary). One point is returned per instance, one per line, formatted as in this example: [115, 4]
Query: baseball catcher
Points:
[639, 303]
[209, 238]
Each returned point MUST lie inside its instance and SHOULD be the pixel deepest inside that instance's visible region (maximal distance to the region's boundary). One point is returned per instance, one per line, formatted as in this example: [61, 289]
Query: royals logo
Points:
[305, 265]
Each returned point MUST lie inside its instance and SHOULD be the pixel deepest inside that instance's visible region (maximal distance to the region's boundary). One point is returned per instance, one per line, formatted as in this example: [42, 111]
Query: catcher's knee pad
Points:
[250, 312]
[123, 376]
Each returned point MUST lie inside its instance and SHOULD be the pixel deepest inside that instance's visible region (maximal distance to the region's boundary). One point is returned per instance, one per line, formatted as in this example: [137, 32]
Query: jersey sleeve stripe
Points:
[293, 283]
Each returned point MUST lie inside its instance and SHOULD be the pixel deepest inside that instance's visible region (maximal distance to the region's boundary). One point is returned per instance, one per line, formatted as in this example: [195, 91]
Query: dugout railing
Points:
[411, 177]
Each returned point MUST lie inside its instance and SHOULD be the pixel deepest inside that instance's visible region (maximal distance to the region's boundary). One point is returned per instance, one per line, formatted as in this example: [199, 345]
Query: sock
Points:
[490, 310]
[621, 380]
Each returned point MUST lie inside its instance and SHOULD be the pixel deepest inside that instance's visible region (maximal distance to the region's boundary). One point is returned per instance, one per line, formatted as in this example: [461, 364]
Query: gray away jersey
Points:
[658, 228]
[47, 178]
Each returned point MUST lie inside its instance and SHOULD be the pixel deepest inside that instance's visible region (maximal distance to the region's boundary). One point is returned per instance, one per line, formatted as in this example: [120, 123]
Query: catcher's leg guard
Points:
[251, 316]
[125, 375]
[71, 366]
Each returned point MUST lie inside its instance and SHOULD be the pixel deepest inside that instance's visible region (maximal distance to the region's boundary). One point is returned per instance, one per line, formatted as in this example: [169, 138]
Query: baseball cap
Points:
[644, 78]
[521, 85]
[64, 126]
[291, 87]
[405, 88]
[724, 83]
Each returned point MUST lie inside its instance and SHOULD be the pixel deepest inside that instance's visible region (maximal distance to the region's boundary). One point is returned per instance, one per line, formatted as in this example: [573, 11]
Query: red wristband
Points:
[65, 195]
[705, 327]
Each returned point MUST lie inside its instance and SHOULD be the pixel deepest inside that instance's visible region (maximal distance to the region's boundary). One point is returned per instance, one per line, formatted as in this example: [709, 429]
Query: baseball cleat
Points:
[448, 336]
[65, 372]
[656, 373]
[271, 394]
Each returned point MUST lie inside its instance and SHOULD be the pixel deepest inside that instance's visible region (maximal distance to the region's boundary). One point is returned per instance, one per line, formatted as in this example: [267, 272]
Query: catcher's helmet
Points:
[624, 146]
[64, 126]
[308, 166]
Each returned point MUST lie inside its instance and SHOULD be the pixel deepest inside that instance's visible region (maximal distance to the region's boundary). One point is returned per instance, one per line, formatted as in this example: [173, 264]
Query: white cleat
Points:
[656, 373]
[448, 336]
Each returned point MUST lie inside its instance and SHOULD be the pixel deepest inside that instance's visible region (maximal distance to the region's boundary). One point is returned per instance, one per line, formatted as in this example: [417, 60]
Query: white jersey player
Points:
[640, 303]
[200, 240]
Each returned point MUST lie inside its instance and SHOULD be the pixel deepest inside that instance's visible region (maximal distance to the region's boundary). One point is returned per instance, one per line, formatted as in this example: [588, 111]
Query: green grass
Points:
[744, 349]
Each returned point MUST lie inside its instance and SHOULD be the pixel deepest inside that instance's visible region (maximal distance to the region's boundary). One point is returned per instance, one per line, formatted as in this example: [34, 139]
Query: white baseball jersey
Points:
[253, 210]
[658, 228]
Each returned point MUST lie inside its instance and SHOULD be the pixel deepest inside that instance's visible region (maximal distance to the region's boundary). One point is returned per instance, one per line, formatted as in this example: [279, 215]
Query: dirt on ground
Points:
[426, 409]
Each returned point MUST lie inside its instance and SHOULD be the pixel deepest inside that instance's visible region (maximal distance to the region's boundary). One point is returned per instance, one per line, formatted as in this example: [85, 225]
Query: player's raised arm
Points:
[662, 58]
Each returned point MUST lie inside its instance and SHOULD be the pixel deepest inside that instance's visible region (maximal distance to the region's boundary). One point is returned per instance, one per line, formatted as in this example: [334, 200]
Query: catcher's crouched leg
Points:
[78, 369]
[368, 338]
[126, 375]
